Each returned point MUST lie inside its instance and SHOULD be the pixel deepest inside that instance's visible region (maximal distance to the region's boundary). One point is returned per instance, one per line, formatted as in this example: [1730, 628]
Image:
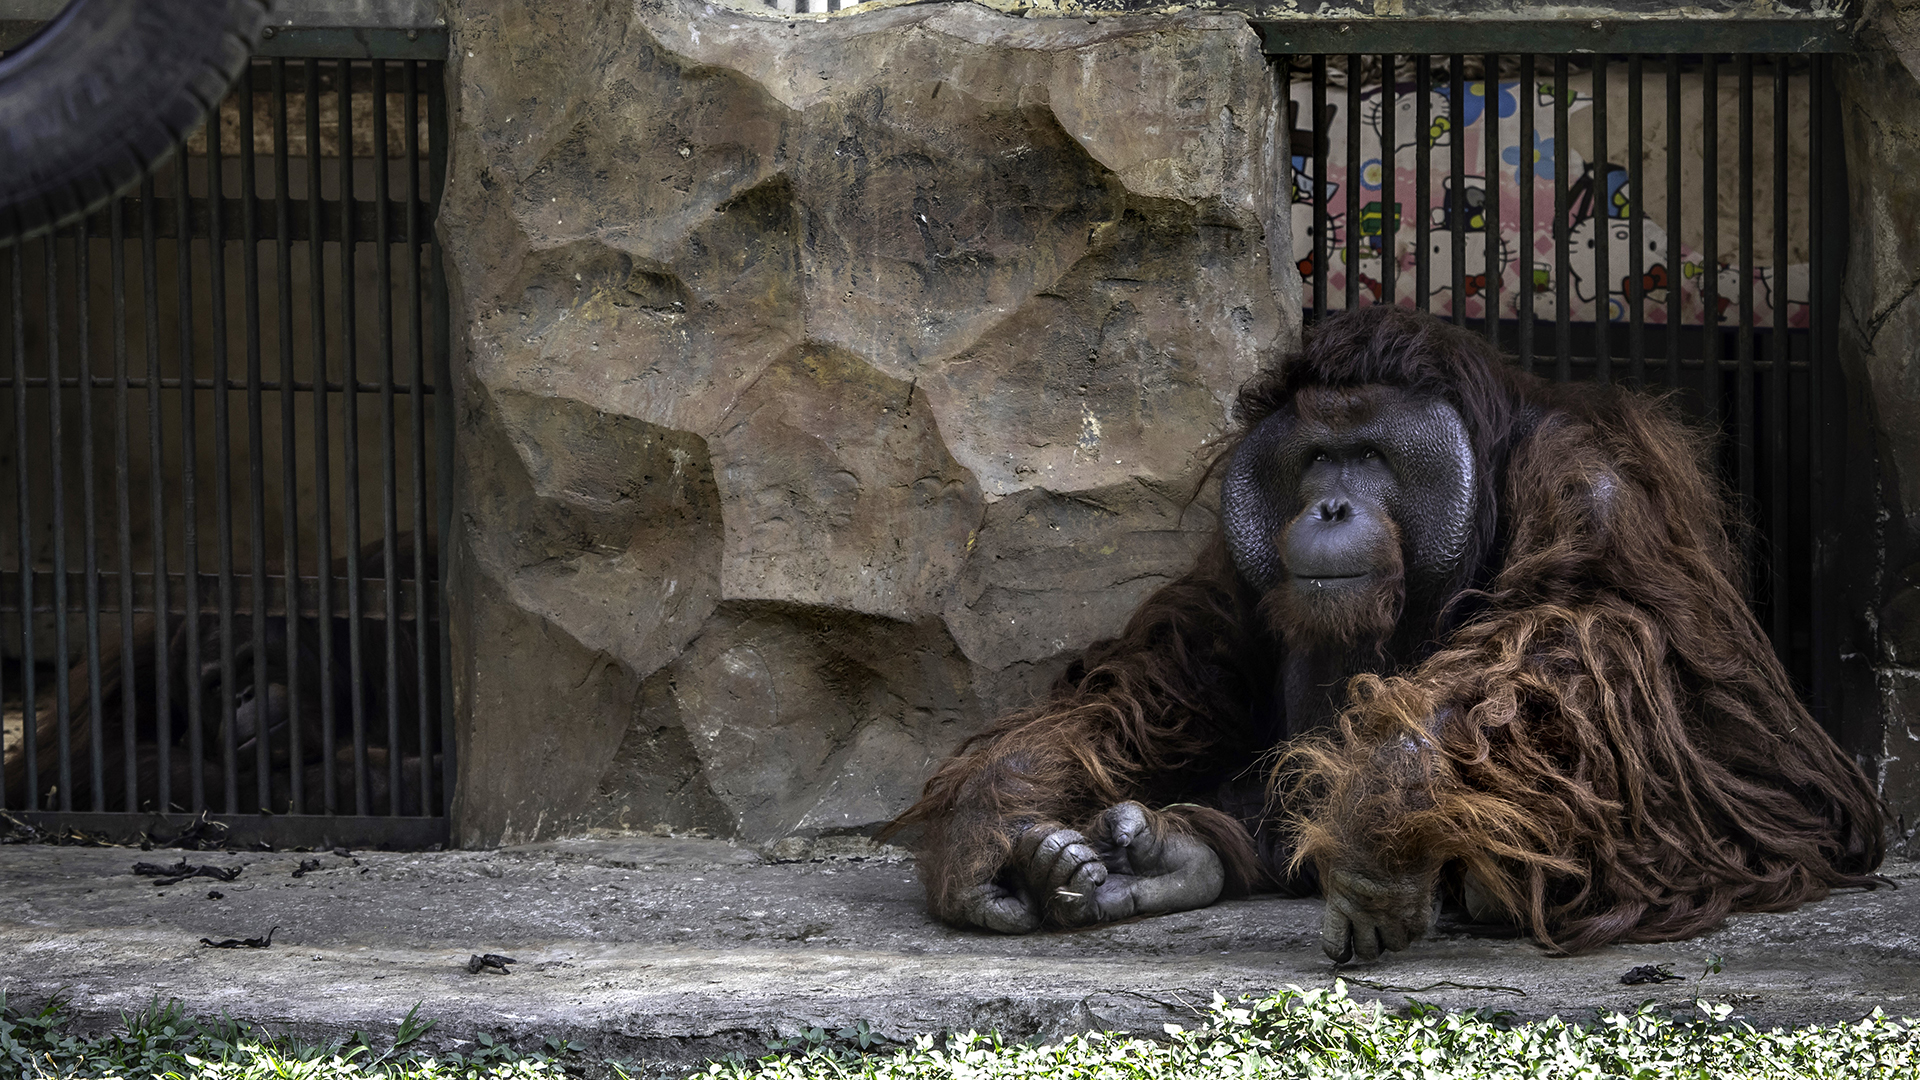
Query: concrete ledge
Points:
[671, 951]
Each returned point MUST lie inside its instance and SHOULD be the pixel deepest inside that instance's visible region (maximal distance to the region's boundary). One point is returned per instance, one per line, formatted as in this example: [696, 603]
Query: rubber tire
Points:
[103, 93]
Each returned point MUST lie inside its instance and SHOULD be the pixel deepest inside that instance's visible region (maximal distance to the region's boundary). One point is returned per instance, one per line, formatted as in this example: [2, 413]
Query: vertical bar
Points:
[1423, 182]
[222, 451]
[157, 507]
[1524, 181]
[1457, 167]
[1710, 232]
[123, 507]
[1389, 216]
[350, 437]
[89, 531]
[289, 456]
[1636, 234]
[1743, 394]
[189, 427]
[1353, 181]
[29, 730]
[1777, 388]
[1602, 231]
[443, 428]
[13, 328]
[1820, 494]
[57, 481]
[1322, 246]
[1562, 265]
[416, 350]
[1676, 275]
[389, 480]
[1490, 138]
[322, 453]
[256, 450]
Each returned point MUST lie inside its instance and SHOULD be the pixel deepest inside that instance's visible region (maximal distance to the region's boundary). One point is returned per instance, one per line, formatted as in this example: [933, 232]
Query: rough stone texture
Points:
[673, 950]
[824, 385]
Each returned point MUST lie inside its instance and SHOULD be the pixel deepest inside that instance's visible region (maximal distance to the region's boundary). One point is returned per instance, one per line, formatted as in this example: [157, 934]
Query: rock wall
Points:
[824, 386]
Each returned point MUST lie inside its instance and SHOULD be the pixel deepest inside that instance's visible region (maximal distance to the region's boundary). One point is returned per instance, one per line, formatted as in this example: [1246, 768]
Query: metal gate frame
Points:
[1819, 668]
[222, 221]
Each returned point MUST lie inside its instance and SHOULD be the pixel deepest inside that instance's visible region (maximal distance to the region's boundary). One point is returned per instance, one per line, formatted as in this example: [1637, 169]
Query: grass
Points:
[1297, 1033]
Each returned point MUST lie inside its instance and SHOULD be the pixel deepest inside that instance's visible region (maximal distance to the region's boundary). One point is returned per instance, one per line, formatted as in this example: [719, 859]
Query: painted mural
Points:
[1602, 203]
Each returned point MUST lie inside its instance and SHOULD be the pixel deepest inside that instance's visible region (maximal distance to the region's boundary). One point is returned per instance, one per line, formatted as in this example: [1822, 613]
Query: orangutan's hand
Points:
[1368, 911]
[1126, 868]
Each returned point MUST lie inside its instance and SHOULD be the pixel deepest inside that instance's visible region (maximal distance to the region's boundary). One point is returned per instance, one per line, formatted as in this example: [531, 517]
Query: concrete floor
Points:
[669, 951]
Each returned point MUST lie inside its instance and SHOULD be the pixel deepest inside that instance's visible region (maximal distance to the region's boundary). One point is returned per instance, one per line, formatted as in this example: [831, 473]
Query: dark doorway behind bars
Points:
[220, 497]
[1681, 239]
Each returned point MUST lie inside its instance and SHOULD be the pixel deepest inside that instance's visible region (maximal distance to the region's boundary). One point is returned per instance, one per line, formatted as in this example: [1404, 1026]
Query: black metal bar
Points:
[123, 510]
[1602, 231]
[1710, 236]
[157, 528]
[1315, 33]
[256, 457]
[1322, 247]
[190, 536]
[289, 455]
[1457, 167]
[350, 445]
[89, 529]
[1423, 181]
[1636, 231]
[233, 210]
[1490, 140]
[10, 320]
[416, 351]
[29, 729]
[1353, 181]
[389, 480]
[1562, 242]
[222, 461]
[443, 432]
[298, 386]
[1777, 389]
[322, 455]
[56, 475]
[1524, 181]
[1743, 392]
[1389, 210]
[1676, 268]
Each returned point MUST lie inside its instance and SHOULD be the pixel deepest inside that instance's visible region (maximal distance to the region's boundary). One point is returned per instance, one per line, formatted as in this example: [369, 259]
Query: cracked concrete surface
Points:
[670, 951]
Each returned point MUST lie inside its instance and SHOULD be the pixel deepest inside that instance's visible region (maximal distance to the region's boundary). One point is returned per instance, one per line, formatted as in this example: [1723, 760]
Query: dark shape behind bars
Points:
[306, 731]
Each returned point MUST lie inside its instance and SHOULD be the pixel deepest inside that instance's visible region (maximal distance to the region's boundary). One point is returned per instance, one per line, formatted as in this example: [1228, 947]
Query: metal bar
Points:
[358, 43]
[416, 350]
[322, 453]
[1777, 389]
[1710, 233]
[298, 386]
[89, 529]
[222, 462]
[29, 729]
[11, 318]
[1423, 181]
[1389, 212]
[123, 511]
[1524, 181]
[157, 527]
[256, 459]
[389, 506]
[289, 455]
[190, 541]
[1743, 393]
[350, 445]
[1353, 182]
[1315, 33]
[304, 589]
[1322, 247]
[1636, 233]
[1819, 497]
[443, 431]
[1602, 230]
[1676, 269]
[1457, 166]
[232, 210]
[1490, 139]
[1562, 242]
[57, 482]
